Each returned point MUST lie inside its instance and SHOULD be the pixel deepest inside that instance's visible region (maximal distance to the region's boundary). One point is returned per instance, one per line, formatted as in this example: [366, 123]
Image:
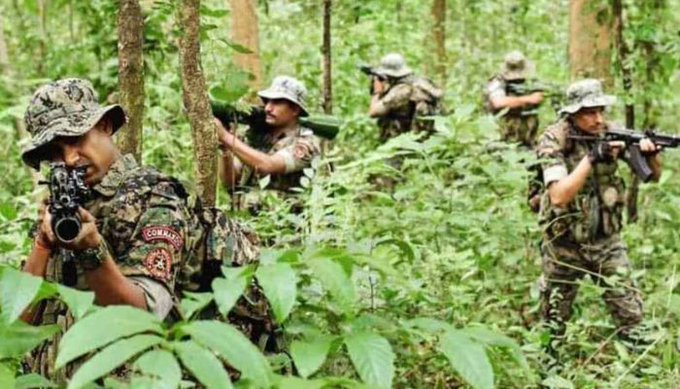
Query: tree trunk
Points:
[439, 40]
[195, 99]
[244, 31]
[326, 51]
[131, 76]
[590, 40]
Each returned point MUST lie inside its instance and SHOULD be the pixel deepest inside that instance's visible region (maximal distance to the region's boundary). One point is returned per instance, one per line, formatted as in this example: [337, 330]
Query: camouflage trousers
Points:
[522, 129]
[606, 261]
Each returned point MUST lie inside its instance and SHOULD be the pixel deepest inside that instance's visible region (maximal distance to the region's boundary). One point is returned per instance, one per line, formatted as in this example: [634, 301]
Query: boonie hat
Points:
[287, 88]
[586, 94]
[516, 66]
[67, 107]
[393, 65]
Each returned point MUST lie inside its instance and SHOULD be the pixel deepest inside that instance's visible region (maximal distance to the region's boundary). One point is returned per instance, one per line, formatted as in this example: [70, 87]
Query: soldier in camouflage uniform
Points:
[400, 99]
[520, 119]
[581, 212]
[140, 243]
[283, 152]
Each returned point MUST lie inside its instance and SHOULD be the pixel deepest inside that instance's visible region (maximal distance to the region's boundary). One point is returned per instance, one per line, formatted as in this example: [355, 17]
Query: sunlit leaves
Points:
[373, 358]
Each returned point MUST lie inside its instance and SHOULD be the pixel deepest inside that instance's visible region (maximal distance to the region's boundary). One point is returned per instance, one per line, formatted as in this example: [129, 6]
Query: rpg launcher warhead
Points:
[325, 126]
[68, 192]
[636, 159]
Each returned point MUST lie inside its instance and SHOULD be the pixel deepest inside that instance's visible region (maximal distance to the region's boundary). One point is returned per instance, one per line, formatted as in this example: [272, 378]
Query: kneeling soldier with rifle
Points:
[581, 209]
[278, 146]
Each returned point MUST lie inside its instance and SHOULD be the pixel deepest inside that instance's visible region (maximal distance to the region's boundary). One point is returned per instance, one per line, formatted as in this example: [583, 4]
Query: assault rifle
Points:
[636, 159]
[370, 71]
[325, 126]
[67, 193]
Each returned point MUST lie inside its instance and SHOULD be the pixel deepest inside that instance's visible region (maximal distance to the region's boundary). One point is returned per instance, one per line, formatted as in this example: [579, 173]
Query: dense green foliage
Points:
[432, 285]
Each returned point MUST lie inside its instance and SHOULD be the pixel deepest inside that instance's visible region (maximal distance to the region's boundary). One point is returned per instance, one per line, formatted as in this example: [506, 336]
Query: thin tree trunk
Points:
[195, 99]
[590, 40]
[131, 75]
[244, 31]
[439, 39]
[326, 51]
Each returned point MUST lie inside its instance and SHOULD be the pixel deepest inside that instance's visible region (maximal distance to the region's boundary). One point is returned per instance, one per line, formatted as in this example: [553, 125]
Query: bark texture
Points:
[590, 40]
[439, 39]
[131, 76]
[327, 58]
[244, 31]
[196, 104]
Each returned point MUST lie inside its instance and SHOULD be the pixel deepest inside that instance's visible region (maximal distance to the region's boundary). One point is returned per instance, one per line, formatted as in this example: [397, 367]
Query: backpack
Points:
[427, 101]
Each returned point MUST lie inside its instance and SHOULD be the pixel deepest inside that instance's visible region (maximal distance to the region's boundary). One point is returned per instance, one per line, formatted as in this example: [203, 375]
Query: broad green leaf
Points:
[110, 358]
[161, 367]
[17, 290]
[79, 302]
[336, 281]
[194, 302]
[373, 358]
[279, 283]
[557, 382]
[19, 338]
[309, 355]
[203, 364]
[427, 324]
[226, 292]
[33, 381]
[290, 382]
[468, 358]
[7, 379]
[492, 338]
[103, 327]
[234, 347]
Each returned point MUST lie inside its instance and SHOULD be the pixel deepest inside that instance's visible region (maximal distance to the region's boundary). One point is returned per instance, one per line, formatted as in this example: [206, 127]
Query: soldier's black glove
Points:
[601, 152]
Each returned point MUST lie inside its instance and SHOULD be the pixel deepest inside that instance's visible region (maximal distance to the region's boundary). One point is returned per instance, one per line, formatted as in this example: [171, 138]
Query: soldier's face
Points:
[94, 149]
[281, 113]
[590, 120]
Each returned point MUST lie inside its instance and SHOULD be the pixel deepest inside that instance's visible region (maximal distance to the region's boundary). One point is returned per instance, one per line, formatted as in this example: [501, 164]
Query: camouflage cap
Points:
[516, 66]
[586, 94]
[67, 107]
[287, 88]
[393, 65]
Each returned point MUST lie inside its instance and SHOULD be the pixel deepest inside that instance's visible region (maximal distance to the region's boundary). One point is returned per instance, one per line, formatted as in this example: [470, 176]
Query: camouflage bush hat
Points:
[287, 88]
[586, 94]
[516, 66]
[67, 107]
[393, 65]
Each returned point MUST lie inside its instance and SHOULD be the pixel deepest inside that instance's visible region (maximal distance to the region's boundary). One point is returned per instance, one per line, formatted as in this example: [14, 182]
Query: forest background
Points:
[433, 285]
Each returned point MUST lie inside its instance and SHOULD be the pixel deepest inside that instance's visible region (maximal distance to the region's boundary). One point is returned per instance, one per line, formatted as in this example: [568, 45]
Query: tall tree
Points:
[327, 63]
[244, 31]
[439, 39]
[131, 75]
[195, 99]
[590, 39]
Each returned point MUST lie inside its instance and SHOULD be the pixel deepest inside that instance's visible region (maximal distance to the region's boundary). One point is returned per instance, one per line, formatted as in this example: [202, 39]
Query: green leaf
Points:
[110, 358]
[20, 338]
[373, 358]
[33, 381]
[289, 382]
[79, 302]
[161, 367]
[226, 292]
[279, 283]
[89, 334]
[234, 347]
[468, 358]
[203, 364]
[495, 339]
[336, 281]
[309, 355]
[194, 302]
[17, 290]
[557, 382]
[7, 379]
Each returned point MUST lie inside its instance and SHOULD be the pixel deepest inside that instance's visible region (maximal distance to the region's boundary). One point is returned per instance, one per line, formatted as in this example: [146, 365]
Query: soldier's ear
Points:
[106, 125]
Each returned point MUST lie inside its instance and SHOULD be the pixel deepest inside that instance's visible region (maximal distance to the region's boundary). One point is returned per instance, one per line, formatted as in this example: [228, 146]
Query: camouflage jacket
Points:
[597, 210]
[157, 242]
[497, 87]
[297, 149]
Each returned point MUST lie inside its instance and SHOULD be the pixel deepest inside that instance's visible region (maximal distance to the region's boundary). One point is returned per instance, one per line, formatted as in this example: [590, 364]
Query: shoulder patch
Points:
[164, 234]
[159, 263]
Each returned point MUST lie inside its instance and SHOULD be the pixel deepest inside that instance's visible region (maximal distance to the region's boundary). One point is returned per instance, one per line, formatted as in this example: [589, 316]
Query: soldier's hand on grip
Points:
[604, 152]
